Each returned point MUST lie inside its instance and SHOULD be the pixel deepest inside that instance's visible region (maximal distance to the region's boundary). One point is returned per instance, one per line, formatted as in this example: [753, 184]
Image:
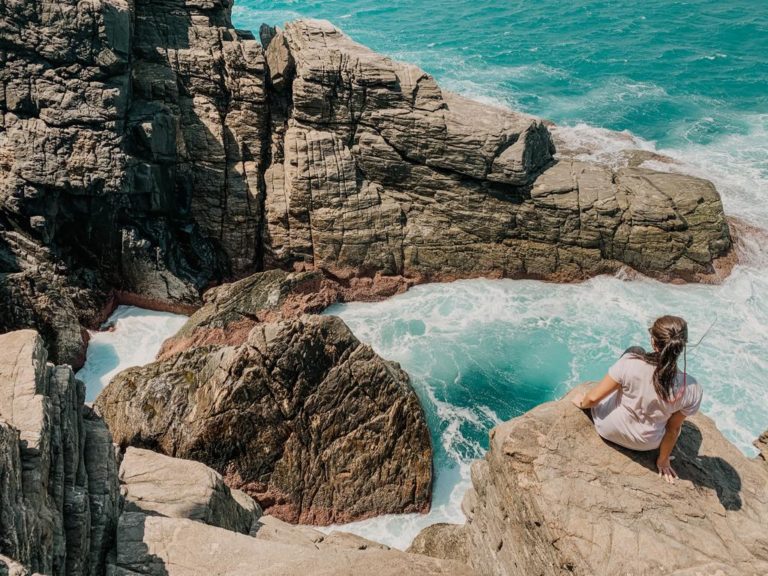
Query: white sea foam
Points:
[442, 334]
[134, 340]
[737, 163]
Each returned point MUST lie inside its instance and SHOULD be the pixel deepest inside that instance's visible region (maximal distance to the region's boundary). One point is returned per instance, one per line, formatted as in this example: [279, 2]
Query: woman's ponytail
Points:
[670, 336]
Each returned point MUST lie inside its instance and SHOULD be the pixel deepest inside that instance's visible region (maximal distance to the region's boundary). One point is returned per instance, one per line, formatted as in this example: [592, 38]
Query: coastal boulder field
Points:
[71, 504]
[301, 416]
[151, 154]
[149, 150]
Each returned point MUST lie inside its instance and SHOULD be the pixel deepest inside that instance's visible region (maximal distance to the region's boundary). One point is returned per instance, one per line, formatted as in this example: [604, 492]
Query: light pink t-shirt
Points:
[634, 416]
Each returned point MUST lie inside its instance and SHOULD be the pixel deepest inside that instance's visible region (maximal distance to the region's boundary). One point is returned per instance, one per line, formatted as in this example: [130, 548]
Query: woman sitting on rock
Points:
[642, 401]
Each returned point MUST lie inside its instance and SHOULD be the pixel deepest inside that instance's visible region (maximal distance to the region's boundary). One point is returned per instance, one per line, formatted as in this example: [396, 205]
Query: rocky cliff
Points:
[62, 511]
[300, 415]
[552, 498]
[148, 149]
[58, 474]
[374, 168]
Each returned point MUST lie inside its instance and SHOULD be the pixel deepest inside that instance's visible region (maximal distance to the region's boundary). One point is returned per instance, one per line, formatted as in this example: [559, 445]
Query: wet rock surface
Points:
[551, 497]
[301, 416]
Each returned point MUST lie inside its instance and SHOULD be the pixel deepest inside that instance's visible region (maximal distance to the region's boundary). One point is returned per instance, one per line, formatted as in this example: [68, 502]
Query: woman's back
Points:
[634, 416]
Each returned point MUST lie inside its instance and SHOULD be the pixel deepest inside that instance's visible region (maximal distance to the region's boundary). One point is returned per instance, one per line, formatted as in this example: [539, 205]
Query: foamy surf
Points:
[483, 351]
[134, 338]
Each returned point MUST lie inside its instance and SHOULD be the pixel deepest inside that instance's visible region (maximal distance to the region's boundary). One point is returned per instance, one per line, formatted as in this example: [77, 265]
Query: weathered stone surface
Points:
[10, 567]
[130, 146]
[230, 311]
[273, 529]
[157, 546]
[302, 416]
[150, 149]
[375, 169]
[57, 503]
[552, 498]
[103, 490]
[762, 445]
[156, 484]
[442, 540]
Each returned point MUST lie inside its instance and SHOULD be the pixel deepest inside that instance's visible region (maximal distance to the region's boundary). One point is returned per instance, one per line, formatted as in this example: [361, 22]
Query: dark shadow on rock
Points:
[132, 552]
[710, 472]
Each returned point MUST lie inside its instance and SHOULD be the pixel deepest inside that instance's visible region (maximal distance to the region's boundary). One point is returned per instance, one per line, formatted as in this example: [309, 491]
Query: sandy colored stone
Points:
[157, 484]
[552, 498]
[58, 502]
[155, 546]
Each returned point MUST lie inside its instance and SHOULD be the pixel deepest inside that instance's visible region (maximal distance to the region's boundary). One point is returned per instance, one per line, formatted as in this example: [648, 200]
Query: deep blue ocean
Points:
[689, 79]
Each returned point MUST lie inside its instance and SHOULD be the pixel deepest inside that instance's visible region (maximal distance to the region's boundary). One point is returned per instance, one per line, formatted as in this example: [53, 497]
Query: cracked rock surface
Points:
[148, 150]
[552, 498]
[59, 498]
[301, 416]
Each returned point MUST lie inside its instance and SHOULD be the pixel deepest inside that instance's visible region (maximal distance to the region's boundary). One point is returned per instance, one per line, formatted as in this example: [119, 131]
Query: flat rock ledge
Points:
[300, 415]
[552, 498]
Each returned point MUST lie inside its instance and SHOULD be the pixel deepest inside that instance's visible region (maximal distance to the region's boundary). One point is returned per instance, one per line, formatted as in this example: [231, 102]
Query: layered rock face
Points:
[58, 475]
[148, 150]
[130, 154]
[301, 416]
[376, 169]
[551, 497]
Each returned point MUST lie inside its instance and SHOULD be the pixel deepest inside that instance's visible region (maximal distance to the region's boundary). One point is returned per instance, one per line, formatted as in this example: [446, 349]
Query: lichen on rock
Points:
[301, 416]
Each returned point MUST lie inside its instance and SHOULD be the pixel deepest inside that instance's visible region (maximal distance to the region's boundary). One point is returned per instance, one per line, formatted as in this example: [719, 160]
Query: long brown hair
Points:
[670, 335]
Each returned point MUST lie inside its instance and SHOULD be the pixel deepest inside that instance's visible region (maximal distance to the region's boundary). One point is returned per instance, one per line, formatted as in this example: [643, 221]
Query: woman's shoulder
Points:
[635, 362]
[692, 395]
[629, 368]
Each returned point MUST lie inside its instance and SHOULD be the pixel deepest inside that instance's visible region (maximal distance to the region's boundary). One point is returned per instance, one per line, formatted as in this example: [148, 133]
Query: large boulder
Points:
[552, 498]
[376, 169]
[158, 546]
[59, 499]
[177, 488]
[301, 416]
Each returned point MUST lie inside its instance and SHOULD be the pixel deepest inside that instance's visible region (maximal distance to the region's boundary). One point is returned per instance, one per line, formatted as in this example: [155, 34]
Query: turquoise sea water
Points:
[689, 79]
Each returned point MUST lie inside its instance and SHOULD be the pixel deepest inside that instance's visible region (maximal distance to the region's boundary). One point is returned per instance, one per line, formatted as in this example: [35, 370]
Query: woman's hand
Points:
[666, 472]
[578, 399]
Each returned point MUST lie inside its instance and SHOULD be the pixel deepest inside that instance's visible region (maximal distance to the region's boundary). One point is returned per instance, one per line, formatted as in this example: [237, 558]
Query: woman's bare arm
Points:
[593, 397]
[674, 425]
